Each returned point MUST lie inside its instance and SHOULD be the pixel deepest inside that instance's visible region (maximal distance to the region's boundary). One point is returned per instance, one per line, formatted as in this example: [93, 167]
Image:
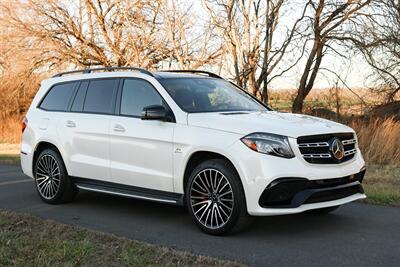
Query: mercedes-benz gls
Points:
[186, 138]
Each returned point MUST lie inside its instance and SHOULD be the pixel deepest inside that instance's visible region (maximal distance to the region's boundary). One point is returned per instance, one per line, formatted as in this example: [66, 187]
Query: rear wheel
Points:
[215, 198]
[51, 178]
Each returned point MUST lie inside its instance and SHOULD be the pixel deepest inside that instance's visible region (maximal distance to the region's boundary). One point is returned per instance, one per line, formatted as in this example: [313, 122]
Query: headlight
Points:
[271, 144]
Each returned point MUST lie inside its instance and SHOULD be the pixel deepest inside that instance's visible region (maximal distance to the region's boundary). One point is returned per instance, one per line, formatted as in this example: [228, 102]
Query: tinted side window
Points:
[99, 96]
[57, 99]
[137, 94]
[77, 105]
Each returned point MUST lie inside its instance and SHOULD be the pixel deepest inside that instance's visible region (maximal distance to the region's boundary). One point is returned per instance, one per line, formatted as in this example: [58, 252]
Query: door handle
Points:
[70, 124]
[119, 128]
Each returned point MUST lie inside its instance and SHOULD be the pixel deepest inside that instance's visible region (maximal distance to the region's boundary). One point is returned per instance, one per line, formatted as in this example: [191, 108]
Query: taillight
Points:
[24, 123]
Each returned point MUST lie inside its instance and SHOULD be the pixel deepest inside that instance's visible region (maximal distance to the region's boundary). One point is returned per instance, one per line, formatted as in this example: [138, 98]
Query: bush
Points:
[10, 130]
[17, 91]
[379, 140]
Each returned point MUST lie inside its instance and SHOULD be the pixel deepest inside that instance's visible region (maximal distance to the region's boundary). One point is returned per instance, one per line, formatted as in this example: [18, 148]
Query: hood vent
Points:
[235, 113]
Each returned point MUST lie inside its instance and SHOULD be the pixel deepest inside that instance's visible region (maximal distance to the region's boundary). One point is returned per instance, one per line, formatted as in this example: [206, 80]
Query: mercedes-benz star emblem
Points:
[337, 149]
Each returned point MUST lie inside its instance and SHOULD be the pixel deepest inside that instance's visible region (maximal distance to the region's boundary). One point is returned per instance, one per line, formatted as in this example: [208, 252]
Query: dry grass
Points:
[349, 103]
[9, 149]
[10, 130]
[379, 140]
[9, 154]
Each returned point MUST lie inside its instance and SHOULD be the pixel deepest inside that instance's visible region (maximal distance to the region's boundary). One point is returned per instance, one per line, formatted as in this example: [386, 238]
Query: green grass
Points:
[382, 185]
[30, 241]
[9, 159]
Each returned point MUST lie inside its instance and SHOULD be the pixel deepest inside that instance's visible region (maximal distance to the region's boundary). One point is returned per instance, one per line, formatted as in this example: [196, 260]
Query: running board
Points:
[128, 191]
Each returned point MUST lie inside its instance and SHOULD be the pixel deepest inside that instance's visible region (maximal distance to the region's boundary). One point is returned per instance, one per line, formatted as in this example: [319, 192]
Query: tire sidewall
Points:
[231, 175]
[63, 176]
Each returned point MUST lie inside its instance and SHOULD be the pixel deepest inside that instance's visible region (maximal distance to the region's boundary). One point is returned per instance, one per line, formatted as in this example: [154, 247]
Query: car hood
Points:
[288, 124]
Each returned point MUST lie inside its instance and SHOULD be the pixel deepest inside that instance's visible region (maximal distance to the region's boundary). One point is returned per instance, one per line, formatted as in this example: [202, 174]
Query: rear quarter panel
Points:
[41, 127]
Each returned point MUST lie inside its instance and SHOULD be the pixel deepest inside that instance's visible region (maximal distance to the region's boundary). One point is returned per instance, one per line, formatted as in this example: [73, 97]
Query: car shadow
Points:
[177, 217]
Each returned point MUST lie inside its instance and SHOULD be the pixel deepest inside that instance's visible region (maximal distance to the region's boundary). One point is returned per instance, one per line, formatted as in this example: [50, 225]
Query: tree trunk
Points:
[265, 93]
[297, 106]
[252, 85]
[307, 79]
[337, 102]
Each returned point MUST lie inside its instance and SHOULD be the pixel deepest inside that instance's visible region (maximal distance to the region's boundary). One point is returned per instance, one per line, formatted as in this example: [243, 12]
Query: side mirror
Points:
[155, 112]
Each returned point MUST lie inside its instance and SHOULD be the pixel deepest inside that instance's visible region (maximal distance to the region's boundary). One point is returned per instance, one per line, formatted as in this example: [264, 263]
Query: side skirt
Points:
[129, 191]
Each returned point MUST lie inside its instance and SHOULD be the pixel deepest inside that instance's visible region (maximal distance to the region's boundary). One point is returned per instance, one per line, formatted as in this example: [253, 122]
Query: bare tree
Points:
[247, 30]
[329, 21]
[378, 39]
[89, 33]
[14, 46]
[105, 32]
[18, 83]
[37, 36]
[189, 46]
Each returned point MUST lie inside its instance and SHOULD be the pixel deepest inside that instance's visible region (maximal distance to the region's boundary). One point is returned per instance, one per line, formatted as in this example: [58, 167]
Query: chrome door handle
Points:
[70, 124]
[119, 128]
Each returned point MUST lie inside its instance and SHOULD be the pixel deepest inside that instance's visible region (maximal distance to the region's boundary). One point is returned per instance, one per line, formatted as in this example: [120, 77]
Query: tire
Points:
[52, 182]
[323, 210]
[208, 198]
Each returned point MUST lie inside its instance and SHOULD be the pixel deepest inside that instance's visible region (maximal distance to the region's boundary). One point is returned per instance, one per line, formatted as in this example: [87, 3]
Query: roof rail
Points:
[210, 74]
[104, 69]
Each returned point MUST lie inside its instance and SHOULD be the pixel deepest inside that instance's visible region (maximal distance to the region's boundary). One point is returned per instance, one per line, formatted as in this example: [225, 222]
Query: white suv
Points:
[187, 138]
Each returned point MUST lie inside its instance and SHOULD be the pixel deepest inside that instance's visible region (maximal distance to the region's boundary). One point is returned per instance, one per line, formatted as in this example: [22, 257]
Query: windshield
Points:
[209, 95]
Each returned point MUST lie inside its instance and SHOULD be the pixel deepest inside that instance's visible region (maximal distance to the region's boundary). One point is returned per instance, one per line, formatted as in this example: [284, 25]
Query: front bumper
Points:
[294, 192]
[258, 171]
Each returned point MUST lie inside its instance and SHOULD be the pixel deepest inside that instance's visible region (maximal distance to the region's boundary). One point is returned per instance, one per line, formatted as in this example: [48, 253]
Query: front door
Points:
[140, 150]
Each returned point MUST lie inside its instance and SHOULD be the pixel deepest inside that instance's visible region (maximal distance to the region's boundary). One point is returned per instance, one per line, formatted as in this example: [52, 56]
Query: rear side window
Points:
[137, 94]
[100, 96]
[57, 99]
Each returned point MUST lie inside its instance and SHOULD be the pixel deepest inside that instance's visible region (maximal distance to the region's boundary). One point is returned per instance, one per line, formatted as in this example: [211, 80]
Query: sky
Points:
[354, 72]
[352, 69]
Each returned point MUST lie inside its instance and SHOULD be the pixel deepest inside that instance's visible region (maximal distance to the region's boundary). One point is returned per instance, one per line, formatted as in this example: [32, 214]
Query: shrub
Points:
[379, 140]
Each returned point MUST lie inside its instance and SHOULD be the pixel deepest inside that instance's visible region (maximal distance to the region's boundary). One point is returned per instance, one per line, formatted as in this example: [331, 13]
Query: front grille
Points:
[315, 148]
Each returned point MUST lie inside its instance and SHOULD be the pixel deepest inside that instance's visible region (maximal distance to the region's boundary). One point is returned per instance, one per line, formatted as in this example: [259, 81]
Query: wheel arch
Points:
[200, 156]
[42, 145]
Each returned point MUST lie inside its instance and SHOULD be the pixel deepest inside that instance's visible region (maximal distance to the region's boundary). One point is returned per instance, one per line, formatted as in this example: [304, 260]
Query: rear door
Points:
[85, 128]
[141, 150]
[53, 106]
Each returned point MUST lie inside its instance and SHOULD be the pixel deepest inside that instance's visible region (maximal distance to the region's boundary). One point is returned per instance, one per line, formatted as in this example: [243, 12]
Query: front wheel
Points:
[215, 197]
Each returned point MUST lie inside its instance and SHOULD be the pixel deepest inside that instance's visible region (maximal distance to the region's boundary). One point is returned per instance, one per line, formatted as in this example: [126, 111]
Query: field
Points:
[348, 103]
